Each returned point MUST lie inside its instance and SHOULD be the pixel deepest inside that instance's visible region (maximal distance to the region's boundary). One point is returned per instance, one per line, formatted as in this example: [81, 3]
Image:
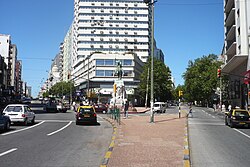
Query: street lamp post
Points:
[151, 3]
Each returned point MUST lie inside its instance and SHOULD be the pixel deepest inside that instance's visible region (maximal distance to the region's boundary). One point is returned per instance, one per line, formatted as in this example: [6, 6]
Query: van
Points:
[160, 107]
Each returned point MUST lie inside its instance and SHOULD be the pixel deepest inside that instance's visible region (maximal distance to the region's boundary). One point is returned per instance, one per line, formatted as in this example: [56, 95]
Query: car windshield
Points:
[86, 110]
[241, 113]
[157, 105]
[13, 109]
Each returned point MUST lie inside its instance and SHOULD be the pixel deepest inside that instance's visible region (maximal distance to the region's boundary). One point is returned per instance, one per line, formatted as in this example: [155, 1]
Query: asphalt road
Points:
[213, 144]
[55, 141]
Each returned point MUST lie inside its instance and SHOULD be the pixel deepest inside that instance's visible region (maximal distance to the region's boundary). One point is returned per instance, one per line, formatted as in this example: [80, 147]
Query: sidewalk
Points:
[139, 143]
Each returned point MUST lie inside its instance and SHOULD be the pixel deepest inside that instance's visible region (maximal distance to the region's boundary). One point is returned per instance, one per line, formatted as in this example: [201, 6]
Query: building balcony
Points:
[229, 5]
[230, 34]
[230, 18]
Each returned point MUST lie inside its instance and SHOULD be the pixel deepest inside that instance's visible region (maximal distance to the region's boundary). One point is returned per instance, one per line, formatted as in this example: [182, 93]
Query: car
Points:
[160, 107]
[237, 117]
[20, 113]
[86, 114]
[101, 108]
[4, 122]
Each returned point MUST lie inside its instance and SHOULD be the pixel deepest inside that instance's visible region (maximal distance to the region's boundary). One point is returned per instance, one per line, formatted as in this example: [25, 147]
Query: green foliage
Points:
[61, 89]
[162, 81]
[201, 78]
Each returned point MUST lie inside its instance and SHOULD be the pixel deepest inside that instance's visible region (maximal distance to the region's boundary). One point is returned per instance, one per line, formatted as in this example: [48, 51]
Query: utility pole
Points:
[151, 4]
[146, 99]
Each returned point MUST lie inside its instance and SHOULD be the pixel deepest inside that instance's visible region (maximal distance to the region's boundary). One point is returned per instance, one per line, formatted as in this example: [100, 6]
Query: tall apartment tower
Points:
[236, 49]
[111, 27]
[105, 31]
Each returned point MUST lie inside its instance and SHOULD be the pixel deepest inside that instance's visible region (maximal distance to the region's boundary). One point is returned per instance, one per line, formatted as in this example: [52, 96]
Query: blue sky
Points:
[184, 30]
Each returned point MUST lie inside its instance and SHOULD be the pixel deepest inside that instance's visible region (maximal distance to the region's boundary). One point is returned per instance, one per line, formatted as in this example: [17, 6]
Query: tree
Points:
[62, 89]
[162, 81]
[201, 78]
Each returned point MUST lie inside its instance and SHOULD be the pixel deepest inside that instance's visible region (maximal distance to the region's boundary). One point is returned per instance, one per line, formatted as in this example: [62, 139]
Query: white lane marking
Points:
[242, 133]
[23, 129]
[59, 129]
[7, 152]
[217, 124]
[203, 110]
[213, 116]
[55, 120]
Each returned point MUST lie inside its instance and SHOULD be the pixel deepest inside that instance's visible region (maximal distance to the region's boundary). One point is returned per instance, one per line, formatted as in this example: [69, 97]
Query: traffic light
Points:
[114, 88]
[219, 73]
[180, 93]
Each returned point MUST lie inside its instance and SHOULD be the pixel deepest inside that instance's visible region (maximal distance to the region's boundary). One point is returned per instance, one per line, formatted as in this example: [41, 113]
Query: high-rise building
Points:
[105, 32]
[236, 50]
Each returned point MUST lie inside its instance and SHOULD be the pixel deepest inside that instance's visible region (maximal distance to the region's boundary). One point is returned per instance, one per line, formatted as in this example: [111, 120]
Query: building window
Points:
[92, 18]
[101, 39]
[101, 46]
[116, 46]
[102, 18]
[117, 11]
[117, 25]
[92, 10]
[126, 40]
[117, 40]
[111, 4]
[127, 62]
[126, 25]
[110, 39]
[110, 25]
[126, 4]
[135, 33]
[126, 11]
[92, 46]
[109, 73]
[110, 46]
[109, 62]
[126, 33]
[100, 73]
[101, 32]
[135, 4]
[100, 62]
[111, 11]
[93, 4]
[135, 18]
[135, 40]
[126, 18]
[125, 47]
[110, 32]
[117, 32]
[128, 73]
[102, 4]
[92, 39]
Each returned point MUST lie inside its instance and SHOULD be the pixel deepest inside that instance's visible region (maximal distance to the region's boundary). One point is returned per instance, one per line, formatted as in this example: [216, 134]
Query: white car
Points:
[20, 113]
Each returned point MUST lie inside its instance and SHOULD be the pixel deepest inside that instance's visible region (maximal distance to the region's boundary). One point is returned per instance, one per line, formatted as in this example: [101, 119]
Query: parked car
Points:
[160, 107]
[51, 105]
[4, 122]
[237, 117]
[86, 114]
[20, 113]
[101, 108]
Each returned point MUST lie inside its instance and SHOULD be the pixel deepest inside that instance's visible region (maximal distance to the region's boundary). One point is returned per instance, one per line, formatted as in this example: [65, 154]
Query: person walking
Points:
[126, 110]
[190, 113]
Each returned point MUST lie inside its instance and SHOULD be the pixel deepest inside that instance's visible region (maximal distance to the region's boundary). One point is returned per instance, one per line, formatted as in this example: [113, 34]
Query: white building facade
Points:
[236, 50]
[104, 32]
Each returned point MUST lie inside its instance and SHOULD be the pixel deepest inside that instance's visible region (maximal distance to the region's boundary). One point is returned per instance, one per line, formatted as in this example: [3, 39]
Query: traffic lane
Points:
[214, 144]
[74, 146]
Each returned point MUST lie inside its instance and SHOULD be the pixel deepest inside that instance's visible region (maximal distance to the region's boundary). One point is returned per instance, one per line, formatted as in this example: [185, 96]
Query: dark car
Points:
[4, 122]
[102, 108]
[86, 114]
[237, 117]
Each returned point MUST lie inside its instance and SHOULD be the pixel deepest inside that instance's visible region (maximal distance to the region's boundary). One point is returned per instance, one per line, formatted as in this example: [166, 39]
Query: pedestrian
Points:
[126, 109]
[190, 113]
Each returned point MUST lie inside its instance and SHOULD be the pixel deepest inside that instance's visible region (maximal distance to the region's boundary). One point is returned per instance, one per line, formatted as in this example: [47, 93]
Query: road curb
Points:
[186, 151]
[111, 145]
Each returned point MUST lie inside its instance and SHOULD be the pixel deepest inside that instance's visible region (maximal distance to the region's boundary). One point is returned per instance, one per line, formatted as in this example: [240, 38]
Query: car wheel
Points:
[7, 126]
[33, 121]
[231, 125]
